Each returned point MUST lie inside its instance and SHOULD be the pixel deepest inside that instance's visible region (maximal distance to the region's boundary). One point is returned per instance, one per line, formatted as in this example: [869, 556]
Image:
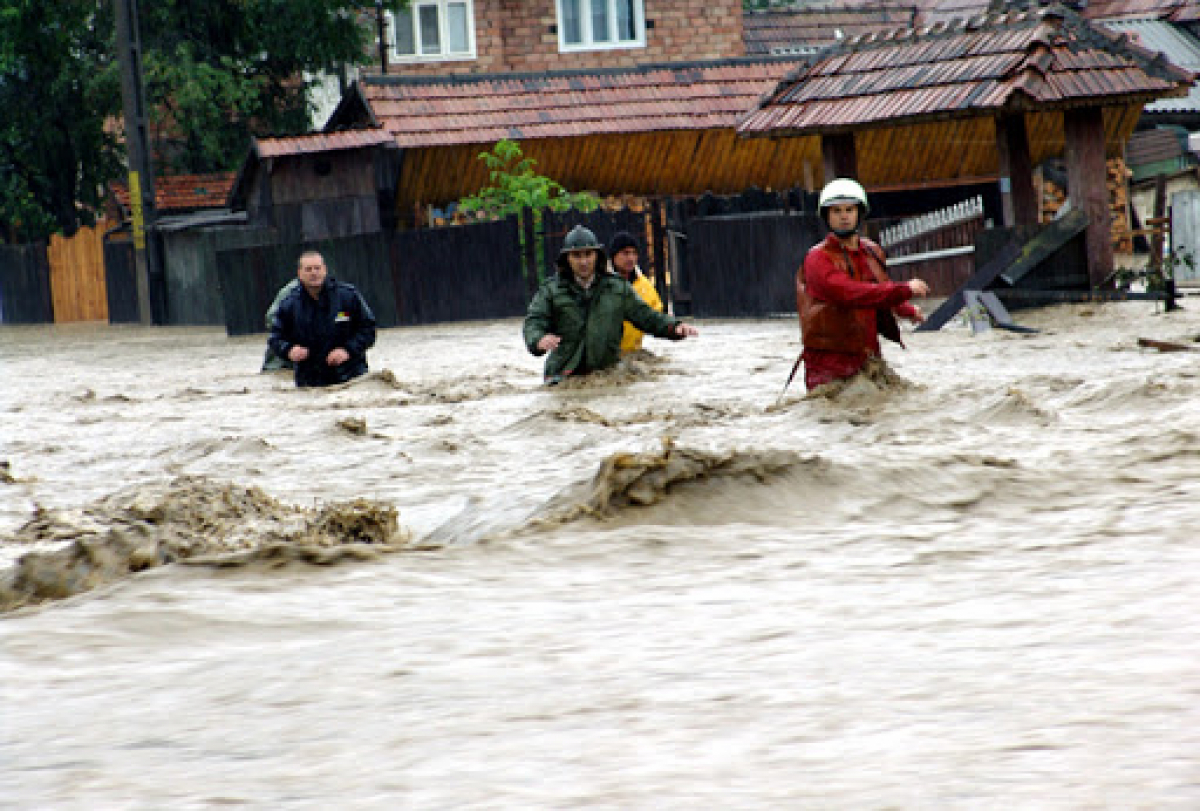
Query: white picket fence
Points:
[935, 220]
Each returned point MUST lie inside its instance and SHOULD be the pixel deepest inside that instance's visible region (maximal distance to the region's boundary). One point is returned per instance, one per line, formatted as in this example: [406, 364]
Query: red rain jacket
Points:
[844, 296]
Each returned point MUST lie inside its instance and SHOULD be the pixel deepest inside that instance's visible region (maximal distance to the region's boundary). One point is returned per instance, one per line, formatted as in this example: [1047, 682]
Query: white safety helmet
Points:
[843, 190]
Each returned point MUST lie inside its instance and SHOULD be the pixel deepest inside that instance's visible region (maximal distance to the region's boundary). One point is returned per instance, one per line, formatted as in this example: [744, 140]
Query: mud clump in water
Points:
[642, 479]
[191, 520]
[875, 378]
[635, 368]
[353, 425]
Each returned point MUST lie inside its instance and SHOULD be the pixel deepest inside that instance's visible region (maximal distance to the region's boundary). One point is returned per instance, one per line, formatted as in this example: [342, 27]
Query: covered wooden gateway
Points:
[975, 99]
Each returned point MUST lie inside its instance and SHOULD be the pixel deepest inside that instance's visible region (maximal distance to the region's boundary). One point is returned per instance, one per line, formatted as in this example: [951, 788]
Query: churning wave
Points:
[189, 520]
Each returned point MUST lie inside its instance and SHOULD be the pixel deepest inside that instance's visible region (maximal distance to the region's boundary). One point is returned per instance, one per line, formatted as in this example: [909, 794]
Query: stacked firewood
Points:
[1118, 203]
[1054, 197]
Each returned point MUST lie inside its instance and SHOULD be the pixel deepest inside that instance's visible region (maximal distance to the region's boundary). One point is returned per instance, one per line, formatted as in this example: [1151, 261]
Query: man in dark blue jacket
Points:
[324, 327]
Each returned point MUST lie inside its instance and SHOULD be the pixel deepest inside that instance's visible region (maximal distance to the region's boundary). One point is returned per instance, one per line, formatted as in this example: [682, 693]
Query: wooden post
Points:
[1017, 191]
[1158, 221]
[658, 217]
[840, 157]
[1087, 175]
[137, 145]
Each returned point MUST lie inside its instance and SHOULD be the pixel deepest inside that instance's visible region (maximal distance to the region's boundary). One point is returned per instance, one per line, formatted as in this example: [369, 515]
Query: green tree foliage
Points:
[516, 186]
[215, 72]
[55, 93]
[219, 71]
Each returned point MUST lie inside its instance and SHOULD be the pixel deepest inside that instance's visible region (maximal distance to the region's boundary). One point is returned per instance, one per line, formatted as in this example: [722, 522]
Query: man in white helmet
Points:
[843, 293]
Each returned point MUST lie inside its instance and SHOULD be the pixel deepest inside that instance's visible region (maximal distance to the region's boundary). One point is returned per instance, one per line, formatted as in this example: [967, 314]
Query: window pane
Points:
[403, 22]
[458, 41]
[626, 24]
[431, 41]
[572, 27]
[600, 21]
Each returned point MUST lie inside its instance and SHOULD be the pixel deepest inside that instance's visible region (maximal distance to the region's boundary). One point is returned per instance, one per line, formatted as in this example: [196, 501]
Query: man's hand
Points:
[919, 288]
[549, 342]
[686, 330]
[337, 357]
[917, 317]
[298, 353]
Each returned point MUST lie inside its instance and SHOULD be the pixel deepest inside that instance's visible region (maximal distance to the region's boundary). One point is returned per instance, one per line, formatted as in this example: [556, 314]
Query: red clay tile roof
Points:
[320, 142]
[482, 109]
[1179, 11]
[1170, 10]
[179, 193]
[793, 30]
[1045, 59]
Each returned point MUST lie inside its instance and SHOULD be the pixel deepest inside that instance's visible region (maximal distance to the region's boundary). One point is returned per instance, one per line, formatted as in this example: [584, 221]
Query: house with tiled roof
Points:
[659, 129]
[609, 96]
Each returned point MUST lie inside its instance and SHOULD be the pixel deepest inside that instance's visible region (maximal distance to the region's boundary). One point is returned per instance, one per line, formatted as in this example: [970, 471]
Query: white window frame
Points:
[588, 42]
[412, 12]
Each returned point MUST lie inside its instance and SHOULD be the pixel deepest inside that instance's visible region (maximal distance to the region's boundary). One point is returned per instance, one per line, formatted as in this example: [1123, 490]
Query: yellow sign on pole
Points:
[135, 207]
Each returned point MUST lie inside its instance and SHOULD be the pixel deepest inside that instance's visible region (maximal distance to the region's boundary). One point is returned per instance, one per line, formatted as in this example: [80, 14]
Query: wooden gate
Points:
[77, 281]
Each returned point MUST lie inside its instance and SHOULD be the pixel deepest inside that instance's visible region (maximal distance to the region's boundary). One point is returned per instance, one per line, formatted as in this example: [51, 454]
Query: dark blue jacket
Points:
[338, 317]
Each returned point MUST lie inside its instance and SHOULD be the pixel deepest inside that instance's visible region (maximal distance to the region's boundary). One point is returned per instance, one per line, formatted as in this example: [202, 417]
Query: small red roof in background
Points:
[320, 142]
[180, 193]
[482, 109]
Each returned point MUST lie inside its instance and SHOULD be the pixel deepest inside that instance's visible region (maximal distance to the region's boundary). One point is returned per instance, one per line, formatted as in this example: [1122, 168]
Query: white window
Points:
[431, 30]
[592, 25]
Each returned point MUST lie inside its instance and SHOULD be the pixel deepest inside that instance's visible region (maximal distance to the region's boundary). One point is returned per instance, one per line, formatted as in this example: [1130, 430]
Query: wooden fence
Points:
[77, 279]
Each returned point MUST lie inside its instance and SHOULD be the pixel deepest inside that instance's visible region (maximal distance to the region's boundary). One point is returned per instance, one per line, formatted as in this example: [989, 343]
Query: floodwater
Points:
[447, 586]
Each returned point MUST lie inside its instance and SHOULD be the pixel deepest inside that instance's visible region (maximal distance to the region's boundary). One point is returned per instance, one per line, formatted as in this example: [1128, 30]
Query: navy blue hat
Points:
[620, 241]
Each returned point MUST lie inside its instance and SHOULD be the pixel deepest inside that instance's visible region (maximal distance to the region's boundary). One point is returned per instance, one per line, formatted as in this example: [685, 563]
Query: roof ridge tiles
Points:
[391, 80]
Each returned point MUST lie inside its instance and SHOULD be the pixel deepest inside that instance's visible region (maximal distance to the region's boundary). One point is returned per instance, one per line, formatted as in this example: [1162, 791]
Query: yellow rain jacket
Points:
[631, 339]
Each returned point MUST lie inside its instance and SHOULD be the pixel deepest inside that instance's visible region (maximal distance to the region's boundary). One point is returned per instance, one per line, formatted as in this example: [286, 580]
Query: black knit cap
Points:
[620, 241]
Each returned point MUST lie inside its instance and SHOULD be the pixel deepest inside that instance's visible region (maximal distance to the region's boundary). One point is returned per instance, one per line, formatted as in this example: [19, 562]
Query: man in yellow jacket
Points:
[623, 253]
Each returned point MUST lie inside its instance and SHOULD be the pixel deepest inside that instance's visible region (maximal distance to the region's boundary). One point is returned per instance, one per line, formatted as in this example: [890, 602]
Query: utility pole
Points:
[141, 172]
[381, 23]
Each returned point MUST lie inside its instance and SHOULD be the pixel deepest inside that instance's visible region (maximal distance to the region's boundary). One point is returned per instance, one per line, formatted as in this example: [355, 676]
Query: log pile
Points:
[1054, 197]
[1118, 202]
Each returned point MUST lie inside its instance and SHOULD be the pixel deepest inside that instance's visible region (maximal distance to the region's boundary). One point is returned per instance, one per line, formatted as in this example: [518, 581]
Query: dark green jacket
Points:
[589, 322]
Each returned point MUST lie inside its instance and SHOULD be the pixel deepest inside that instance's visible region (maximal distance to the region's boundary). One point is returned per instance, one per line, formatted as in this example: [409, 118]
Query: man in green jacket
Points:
[579, 314]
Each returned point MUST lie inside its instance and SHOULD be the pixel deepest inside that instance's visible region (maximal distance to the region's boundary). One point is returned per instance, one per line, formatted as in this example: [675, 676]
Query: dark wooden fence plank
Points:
[25, 296]
[121, 281]
[744, 265]
[461, 273]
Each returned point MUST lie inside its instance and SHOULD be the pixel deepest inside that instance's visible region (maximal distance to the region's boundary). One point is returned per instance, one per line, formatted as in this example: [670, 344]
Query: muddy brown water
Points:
[447, 586]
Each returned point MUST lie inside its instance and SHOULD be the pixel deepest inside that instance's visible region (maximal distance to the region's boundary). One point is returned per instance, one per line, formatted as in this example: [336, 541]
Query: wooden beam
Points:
[840, 157]
[1087, 176]
[1013, 262]
[1017, 191]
